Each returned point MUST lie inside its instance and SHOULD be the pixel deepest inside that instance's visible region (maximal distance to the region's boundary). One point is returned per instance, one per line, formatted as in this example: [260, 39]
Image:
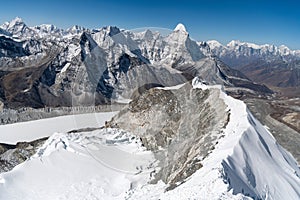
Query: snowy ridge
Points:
[247, 163]
[112, 164]
[248, 167]
[236, 48]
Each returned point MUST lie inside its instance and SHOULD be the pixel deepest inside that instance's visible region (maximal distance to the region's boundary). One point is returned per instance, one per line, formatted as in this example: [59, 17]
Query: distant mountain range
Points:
[46, 66]
[268, 64]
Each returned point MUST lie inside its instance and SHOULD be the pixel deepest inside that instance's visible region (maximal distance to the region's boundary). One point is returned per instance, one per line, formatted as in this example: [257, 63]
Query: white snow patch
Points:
[214, 44]
[32, 130]
[64, 69]
[180, 27]
[176, 87]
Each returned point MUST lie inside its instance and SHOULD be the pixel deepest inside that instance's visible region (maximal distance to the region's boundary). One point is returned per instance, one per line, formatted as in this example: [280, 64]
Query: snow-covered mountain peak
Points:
[75, 29]
[17, 28]
[284, 49]
[4, 26]
[16, 22]
[109, 31]
[47, 28]
[179, 34]
[148, 34]
[233, 43]
[113, 30]
[180, 27]
[214, 44]
[236, 48]
[237, 43]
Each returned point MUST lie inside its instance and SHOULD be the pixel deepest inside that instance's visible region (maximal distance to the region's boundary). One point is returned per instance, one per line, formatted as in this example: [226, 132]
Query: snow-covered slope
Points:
[246, 163]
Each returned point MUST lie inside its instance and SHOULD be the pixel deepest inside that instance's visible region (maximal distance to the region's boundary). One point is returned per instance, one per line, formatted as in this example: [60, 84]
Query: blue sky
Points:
[259, 21]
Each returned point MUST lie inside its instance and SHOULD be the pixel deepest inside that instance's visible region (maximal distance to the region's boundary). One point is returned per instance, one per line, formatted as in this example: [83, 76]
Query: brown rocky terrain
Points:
[282, 119]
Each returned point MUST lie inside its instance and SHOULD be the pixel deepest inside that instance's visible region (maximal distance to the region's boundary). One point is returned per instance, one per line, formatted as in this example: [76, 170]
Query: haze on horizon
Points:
[250, 21]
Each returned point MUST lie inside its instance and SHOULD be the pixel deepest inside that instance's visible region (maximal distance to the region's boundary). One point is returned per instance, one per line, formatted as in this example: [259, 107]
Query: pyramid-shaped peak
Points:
[148, 34]
[113, 30]
[17, 20]
[180, 27]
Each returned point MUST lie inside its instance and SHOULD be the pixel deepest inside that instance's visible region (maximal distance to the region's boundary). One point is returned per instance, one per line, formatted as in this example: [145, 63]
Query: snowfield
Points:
[102, 164]
[32, 130]
[112, 164]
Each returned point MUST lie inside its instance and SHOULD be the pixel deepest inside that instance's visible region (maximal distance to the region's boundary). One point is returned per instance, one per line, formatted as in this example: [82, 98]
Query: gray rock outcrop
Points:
[181, 126]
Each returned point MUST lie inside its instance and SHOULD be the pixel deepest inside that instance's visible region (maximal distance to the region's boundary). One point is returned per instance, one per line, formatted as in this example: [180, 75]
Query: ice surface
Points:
[29, 131]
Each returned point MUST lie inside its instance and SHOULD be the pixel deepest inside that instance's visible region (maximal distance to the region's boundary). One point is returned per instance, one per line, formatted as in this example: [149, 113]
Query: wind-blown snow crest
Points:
[247, 163]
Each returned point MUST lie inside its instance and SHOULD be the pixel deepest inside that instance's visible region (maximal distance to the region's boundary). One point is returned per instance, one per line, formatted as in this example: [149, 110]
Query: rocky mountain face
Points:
[170, 119]
[268, 64]
[46, 66]
[12, 155]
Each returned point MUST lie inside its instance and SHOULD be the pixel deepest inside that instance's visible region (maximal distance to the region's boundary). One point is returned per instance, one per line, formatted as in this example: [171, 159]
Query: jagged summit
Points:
[113, 30]
[148, 34]
[15, 21]
[75, 29]
[116, 50]
[180, 27]
[214, 43]
[233, 43]
[17, 28]
[47, 28]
